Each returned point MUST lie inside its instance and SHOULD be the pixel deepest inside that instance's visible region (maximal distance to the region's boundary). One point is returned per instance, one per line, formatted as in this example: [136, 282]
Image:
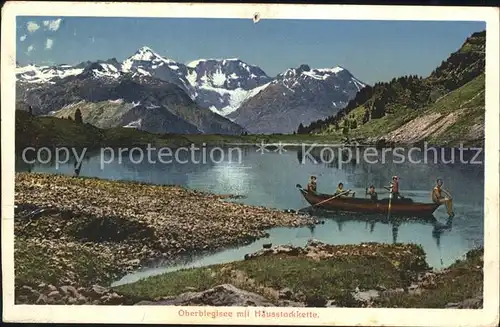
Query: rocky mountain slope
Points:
[298, 95]
[222, 85]
[447, 107]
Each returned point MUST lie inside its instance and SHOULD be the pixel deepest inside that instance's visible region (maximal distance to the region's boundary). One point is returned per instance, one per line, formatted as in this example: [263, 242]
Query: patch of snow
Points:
[215, 110]
[127, 65]
[71, 105]
[43, 74]
[195, 63]
[98, 73]
[109, 67]
[134, 124]
[143, 72]
[358, 84]
[134, 104]
[334, 70]
[218, 78]
[191, 77]
[313, 74]
[236, 97]
[117, 101]
[174, 67]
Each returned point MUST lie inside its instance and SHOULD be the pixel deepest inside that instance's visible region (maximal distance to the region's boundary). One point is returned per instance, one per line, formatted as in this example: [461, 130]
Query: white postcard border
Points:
[327, 316]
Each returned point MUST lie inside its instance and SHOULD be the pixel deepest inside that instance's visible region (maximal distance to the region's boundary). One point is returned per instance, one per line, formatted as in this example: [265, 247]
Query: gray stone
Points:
[54, 295]
[69, 290]
[42, 299]
[365, 296]
[51, 288]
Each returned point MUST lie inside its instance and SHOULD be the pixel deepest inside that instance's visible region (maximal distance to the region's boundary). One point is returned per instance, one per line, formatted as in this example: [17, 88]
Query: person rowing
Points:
[340, 190]
[441, 196]
[394, 188]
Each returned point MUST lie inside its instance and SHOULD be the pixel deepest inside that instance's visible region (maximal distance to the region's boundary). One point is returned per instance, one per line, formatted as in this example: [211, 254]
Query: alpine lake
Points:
[268, 177]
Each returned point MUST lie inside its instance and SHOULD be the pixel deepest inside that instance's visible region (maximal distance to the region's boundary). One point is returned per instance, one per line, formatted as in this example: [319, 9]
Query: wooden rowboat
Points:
[400, 207]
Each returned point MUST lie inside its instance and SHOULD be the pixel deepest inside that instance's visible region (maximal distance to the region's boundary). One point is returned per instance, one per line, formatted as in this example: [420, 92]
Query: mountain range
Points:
[208, 96]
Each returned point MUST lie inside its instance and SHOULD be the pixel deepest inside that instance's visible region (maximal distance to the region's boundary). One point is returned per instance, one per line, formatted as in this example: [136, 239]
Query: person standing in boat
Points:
[394, 188]
[441, 196]
[312, 186]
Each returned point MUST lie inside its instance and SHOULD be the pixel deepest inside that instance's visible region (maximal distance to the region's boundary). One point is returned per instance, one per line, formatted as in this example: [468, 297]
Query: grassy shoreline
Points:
[322, 275]
[91, 232]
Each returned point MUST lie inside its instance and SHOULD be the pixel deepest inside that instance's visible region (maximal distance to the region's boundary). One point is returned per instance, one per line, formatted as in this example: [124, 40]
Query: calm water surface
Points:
[269, 180]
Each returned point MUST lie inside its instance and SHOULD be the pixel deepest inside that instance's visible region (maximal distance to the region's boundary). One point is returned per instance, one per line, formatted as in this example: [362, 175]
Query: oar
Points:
[389, 207]
[321, 202]
[448, 194]
[390, 191]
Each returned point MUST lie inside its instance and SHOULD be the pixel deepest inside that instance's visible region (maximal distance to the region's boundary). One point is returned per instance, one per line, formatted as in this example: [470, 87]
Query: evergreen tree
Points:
[78, 116]
[300, 130]
[345, 130]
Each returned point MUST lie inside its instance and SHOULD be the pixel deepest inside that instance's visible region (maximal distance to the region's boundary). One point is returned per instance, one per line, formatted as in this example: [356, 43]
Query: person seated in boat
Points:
[312, 186]
[441, 196]
[394, 188]
[340, 189]
[371, 192]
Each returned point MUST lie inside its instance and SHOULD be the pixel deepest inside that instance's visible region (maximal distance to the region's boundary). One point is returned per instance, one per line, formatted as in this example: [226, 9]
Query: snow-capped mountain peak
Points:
[145, 58]
[102, 70]
[293, 78]
[145, 53]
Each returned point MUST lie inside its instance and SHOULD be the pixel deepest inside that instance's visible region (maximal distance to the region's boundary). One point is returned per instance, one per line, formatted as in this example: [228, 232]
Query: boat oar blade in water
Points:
[321, 202]
[389, 206]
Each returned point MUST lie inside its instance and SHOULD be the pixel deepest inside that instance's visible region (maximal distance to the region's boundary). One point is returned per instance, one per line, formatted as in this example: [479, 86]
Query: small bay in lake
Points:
[267, 177]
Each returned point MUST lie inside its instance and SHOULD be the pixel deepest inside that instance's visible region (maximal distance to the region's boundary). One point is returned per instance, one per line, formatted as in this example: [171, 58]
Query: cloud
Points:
[23, 37]
[52, 25]
[32, 26]
[30, 49]
[49, 43]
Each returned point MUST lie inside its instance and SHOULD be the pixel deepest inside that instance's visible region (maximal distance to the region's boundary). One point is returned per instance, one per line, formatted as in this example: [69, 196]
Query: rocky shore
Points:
[81, 232]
